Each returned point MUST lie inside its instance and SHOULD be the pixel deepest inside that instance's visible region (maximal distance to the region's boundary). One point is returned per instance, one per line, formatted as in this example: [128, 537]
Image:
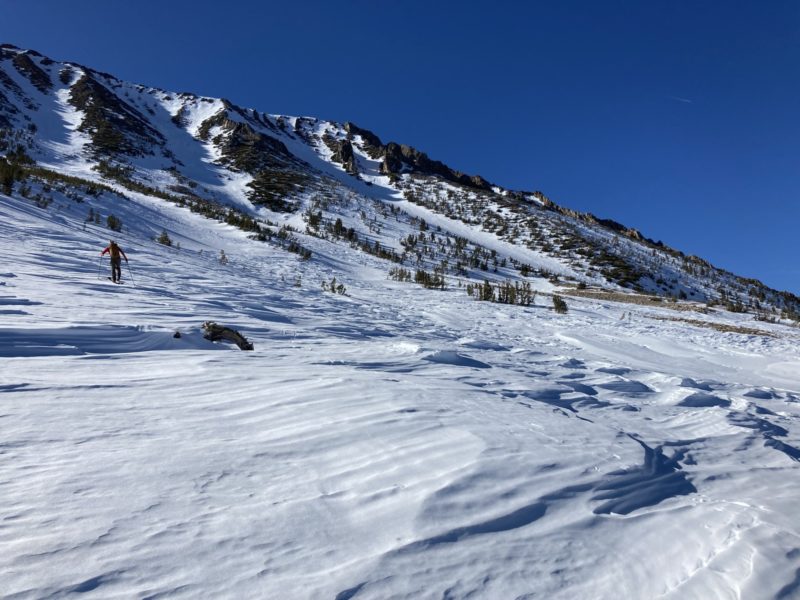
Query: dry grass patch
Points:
[723, 327]
[641, 299]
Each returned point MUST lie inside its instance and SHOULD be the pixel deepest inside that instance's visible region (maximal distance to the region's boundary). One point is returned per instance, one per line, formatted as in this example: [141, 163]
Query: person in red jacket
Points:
[115, 252]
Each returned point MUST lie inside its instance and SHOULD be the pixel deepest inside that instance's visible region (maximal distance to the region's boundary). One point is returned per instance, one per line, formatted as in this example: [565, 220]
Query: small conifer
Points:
[164, 238]
[559, 305]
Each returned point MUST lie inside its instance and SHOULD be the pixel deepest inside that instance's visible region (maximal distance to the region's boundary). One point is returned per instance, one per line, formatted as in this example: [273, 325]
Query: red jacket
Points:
[115, 251]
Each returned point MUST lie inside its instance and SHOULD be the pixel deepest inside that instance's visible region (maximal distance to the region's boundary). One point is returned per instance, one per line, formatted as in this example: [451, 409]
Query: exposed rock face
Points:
[372, 143]
[8, 51]
[31, 70]
[12, 88]
[251, 149]
[114, 125]
[399, 157]
[392, 159]
[276, 172]
[242, 146]
[343, 154]
[478, 182]
[634, 234]
[237, 134]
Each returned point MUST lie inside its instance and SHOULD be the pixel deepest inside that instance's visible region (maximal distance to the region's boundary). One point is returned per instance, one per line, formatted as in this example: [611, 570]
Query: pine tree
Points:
[559, 305]
[114, 223]
[164, 238]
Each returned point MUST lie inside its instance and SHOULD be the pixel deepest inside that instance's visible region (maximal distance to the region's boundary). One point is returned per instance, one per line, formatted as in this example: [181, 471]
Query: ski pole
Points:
[99, 266]
[130, 273]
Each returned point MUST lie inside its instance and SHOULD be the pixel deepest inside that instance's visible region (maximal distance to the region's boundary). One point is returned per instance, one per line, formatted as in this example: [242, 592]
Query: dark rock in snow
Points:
[216, 333]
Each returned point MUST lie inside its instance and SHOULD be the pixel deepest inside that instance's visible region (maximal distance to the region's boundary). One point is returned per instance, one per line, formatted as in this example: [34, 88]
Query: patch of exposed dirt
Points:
[641, 299]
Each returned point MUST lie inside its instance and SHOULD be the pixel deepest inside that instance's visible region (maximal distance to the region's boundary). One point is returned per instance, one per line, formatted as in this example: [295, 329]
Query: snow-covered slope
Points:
[76, 121]
[390, 441]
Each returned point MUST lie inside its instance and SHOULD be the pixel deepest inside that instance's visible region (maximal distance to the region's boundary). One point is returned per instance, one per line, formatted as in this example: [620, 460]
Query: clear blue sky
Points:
[679, 118]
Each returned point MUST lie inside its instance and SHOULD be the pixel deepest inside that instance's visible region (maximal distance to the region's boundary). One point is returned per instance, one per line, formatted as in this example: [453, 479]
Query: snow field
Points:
[395, 442]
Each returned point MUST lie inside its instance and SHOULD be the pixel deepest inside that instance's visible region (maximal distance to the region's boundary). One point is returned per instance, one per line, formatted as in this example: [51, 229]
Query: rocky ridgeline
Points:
[143, 138]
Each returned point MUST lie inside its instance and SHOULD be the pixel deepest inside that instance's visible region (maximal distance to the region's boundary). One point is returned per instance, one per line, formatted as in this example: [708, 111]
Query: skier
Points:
[115, 252]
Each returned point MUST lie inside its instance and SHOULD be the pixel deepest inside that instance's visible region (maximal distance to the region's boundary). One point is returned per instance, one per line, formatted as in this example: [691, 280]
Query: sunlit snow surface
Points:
[392, 443]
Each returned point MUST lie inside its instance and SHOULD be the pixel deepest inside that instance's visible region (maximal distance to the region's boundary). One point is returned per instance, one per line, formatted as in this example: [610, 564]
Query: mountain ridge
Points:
[79, 121]
[452, 392]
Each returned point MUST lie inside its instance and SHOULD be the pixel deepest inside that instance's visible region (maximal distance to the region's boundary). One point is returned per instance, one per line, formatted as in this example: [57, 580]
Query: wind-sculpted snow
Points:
[656, 480]
[77, 340]
[450, 357]
[701, 399]
[393, 442]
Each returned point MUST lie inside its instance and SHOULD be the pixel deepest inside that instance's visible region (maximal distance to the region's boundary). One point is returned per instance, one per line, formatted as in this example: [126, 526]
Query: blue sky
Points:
[678, 118]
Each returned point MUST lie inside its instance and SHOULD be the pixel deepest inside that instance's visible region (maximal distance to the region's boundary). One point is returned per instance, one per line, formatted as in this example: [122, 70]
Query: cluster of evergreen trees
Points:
[10, 173]
[316, 226]
[508, 292]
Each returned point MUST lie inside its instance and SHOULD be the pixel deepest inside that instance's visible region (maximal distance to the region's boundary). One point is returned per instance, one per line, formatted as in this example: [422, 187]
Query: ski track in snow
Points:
[395, 443]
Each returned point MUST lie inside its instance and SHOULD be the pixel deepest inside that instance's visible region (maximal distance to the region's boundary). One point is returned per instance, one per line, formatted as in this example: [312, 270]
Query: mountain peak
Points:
[187, 148]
